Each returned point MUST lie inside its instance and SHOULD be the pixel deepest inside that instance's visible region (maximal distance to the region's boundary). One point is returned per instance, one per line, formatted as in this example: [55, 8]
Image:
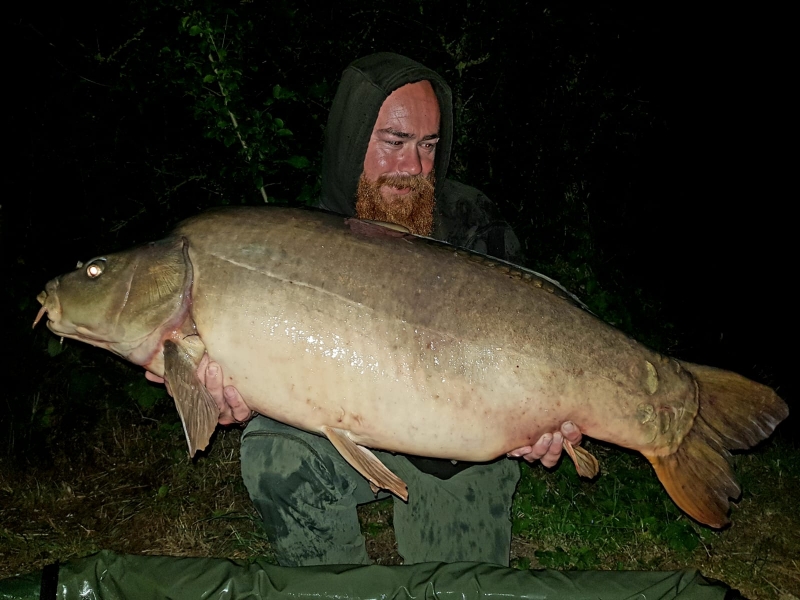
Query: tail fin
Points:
[734, 413]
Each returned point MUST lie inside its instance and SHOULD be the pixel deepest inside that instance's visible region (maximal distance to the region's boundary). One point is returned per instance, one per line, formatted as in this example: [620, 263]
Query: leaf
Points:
[318, 90]
[54, 346]
[282, 94]
[209, 78]
[195, 30]
[298, 162]
[284, 133]
[146, 394]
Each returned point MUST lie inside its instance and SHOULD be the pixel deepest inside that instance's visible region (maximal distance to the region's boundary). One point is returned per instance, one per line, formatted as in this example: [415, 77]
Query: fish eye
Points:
[95, 268]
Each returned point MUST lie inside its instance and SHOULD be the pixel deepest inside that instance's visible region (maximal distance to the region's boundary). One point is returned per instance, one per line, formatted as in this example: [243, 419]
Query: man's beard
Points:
[414, 210]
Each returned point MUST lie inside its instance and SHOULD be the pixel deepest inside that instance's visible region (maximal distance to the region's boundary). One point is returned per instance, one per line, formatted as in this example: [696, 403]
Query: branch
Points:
[230, 113]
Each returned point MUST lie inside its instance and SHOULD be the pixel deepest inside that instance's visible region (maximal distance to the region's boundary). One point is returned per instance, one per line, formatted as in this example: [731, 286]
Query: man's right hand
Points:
[232, 408]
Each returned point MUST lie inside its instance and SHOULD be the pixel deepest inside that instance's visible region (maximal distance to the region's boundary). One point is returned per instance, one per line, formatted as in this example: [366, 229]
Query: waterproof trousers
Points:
[307, 495]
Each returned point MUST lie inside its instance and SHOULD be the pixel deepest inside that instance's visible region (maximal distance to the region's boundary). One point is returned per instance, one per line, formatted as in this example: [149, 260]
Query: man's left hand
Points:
[232, 408]
[548, 448]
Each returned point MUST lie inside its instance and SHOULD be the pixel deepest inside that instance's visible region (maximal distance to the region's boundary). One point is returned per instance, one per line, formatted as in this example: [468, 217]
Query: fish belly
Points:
[416, 350]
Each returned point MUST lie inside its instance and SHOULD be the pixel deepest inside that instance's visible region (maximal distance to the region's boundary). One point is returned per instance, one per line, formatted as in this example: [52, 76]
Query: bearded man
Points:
[387, 149]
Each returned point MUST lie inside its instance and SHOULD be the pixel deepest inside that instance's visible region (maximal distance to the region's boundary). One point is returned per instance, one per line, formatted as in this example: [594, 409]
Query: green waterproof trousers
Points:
[307, 494]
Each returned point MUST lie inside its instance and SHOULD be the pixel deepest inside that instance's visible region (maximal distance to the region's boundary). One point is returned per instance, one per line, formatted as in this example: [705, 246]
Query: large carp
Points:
[377, 339]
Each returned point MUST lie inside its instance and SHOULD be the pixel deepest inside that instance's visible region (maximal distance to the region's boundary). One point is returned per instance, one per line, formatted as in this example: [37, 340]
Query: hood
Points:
[365, 84]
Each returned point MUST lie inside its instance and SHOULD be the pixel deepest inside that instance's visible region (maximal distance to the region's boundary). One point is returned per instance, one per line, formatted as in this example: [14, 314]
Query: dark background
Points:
[634, 151]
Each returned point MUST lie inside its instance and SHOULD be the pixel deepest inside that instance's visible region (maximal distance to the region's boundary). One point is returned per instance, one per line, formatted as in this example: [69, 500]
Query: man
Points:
[387, 149]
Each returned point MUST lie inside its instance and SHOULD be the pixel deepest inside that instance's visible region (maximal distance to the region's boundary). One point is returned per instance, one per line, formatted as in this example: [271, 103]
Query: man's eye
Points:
[394, 143]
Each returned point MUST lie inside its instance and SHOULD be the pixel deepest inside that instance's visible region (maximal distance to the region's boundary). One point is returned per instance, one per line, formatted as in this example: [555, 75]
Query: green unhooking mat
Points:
[109, 576]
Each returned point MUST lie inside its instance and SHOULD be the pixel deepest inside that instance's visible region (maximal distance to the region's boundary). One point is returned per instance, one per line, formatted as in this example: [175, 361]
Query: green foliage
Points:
[212, 69]
[146, 394]
[84, 384]
[572, 521]
[54, 346]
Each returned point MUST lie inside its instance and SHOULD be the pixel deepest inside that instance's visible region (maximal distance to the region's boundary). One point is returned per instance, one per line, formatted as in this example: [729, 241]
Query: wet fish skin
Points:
[400, 344]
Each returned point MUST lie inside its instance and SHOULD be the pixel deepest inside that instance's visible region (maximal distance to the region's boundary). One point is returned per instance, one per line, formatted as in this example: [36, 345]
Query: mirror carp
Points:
[375, 338]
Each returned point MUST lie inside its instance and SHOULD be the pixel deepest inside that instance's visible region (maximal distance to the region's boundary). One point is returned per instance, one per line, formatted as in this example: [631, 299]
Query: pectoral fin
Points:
[196, 407]
[366, 463]
[585, 463]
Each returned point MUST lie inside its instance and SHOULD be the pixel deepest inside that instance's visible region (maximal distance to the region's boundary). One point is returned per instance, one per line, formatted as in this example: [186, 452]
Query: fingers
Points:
[519, 452]
[210, 374]
[232, 408]
[549, 447]
[550, 458]
[153, 377]
[202, 368]
[535, 452]
[213, 381]
[571, 432]
[240, 412]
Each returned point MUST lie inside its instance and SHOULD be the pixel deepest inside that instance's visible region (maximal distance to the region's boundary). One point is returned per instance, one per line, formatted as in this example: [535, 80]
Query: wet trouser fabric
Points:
[109, 576]
[307, 495]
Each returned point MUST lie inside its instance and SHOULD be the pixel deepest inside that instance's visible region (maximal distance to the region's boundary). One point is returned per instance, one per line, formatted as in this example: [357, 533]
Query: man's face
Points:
[397, 182]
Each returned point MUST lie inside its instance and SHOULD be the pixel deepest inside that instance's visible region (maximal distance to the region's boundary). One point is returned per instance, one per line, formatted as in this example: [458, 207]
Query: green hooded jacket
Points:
[463, 215]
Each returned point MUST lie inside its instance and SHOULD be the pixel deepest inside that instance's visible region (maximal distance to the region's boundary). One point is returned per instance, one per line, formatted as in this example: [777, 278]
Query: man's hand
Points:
[548, 448]
[232, 408]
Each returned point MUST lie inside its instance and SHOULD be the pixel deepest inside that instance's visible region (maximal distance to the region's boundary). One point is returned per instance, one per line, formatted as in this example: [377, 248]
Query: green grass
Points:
[584, 524]
[624, 520]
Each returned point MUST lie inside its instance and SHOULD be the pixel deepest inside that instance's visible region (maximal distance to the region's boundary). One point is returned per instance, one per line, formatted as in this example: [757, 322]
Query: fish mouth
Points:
[42, 311]
[51, 306]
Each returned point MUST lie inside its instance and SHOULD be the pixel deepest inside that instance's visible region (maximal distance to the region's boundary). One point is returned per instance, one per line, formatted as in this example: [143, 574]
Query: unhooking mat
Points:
[110, 576]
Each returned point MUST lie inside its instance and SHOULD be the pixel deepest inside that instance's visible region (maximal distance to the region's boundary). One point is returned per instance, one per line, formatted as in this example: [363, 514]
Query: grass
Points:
[133, 490]
[625, 520]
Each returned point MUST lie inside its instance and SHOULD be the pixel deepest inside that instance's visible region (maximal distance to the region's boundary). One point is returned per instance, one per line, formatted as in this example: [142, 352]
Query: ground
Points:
[131, 488]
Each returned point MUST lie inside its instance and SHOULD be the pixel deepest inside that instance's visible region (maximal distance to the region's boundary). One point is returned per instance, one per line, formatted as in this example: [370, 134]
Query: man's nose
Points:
[410, 162]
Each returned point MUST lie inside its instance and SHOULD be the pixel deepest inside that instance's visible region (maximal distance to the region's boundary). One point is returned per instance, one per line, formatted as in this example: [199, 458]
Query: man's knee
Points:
[304, 496]
[278, 466]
